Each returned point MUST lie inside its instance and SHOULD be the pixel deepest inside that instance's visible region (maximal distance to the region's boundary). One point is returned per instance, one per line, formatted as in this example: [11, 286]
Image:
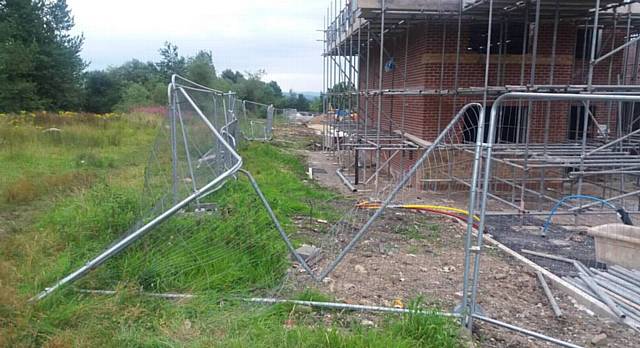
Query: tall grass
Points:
[230, 251]
[44, 153]
[71, 129]
[240, 248]
[26, 189]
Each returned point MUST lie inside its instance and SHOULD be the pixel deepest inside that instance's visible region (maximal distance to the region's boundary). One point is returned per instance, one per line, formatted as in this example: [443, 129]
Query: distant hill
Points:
[310, 95]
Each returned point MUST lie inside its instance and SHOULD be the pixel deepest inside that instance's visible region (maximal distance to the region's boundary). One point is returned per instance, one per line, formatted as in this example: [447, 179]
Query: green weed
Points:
[92, 160]
[419, 230]
[44, 153]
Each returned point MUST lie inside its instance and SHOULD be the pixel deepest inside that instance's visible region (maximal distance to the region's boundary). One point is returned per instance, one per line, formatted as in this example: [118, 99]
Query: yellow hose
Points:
[439, 207]
[370, 205]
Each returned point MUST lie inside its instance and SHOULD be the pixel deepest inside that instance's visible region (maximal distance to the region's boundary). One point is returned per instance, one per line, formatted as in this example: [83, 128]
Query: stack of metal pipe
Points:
[617, 287]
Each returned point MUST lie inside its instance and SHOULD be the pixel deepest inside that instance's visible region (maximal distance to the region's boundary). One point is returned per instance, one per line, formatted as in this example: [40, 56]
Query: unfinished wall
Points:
[431, 64]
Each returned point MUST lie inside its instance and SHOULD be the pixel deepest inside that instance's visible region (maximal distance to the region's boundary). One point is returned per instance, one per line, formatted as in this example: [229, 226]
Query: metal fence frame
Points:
[260, 129]
[480, 191]
[226, 136]
[174, 88]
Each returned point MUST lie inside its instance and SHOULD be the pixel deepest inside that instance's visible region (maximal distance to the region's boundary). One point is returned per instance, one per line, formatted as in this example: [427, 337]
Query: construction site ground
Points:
[388, 268]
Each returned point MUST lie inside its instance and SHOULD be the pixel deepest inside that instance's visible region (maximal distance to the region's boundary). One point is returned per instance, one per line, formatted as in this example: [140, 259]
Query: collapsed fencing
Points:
[203, 156]
[194, 157]
[187, 240]
[197, 247]
[501, 181]
[467, 144]
[356, 223]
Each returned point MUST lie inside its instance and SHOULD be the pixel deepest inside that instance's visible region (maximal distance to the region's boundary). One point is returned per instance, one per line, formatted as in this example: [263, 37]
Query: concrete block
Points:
[309, 253]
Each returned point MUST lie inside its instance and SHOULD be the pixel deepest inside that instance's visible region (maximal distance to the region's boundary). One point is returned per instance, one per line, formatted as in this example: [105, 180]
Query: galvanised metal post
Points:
[532, 81]
[547, 117]
[244, 112]
[442, 69]
[215, 107]
[404, 86]
[224, 110]
[366, 101]
[468, 308]
[587, 106]
[174, 149]
[380, 94]
[324, 65]
[186, 149]
[525, 331]
[275, 221]
[268, 134]
[610, 75]
[523, 64]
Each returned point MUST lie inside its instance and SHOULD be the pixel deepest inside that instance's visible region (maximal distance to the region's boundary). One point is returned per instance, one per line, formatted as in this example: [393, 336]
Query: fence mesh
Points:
[532, 173]
[389, 246]
[230, 244]
[171, 244]
[256, 120]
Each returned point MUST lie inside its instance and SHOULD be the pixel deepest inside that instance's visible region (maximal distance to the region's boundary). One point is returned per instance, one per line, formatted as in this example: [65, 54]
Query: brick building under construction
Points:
[405, 69]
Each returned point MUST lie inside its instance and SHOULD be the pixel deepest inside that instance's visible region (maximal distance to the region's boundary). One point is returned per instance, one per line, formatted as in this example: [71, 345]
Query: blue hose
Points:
[568, 198]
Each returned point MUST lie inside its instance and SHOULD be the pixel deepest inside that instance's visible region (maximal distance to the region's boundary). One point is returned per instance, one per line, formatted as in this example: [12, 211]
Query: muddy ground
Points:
[391, 266]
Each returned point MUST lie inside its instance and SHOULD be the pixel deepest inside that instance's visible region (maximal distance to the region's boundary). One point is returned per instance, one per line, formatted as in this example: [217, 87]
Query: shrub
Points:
[134, 95]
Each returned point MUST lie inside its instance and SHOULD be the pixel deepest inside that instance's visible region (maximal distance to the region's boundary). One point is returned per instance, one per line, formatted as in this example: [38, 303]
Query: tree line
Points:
[41, 69]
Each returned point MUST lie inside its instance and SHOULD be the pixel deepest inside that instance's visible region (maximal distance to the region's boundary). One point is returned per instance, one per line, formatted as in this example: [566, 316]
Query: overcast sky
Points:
[278, 36]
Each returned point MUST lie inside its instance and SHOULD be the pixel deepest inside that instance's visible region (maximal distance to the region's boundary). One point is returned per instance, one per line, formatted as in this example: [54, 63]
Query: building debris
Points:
[552, 301]
[309, 253]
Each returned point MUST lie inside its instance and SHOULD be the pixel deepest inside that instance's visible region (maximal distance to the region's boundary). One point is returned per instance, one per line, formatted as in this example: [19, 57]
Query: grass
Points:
[419, 229]
[25, 190]
[70, 193]
[44, 153]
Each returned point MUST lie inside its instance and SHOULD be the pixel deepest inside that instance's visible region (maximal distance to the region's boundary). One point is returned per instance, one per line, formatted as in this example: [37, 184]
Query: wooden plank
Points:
[414, 139]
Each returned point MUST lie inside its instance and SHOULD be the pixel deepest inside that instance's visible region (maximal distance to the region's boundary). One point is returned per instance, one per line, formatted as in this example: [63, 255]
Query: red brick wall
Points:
[425, 116]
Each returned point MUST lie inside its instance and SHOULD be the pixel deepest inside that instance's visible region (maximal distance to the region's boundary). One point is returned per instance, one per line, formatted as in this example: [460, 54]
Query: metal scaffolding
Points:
[519, 166]
[370, 136]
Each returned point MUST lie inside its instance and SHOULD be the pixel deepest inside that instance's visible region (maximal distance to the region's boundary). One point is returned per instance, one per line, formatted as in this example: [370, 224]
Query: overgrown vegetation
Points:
[41, 69]
[60, 227]
[43, 153]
